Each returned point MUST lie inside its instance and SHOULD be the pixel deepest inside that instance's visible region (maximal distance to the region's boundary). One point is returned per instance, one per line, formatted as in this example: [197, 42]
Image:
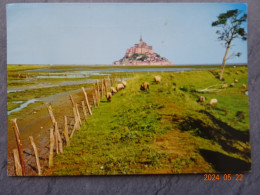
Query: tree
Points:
[231, 27]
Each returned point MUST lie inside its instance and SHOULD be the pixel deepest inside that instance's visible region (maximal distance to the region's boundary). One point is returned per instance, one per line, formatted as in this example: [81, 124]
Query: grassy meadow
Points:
[164, 130]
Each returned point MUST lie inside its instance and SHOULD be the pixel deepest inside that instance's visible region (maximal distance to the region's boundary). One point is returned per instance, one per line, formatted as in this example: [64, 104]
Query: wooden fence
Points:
[58, 137]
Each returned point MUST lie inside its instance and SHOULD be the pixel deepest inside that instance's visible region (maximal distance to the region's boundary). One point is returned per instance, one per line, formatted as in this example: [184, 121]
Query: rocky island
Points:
[142, 54]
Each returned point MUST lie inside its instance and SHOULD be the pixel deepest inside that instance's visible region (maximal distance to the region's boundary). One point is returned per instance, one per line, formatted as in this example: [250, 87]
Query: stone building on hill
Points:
[142, 54]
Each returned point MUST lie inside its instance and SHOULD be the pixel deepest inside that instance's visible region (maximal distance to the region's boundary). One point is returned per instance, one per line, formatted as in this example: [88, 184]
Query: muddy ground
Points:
[37, 123]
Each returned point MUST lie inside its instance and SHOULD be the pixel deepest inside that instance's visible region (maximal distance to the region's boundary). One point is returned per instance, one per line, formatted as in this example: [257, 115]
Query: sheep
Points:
[235, 80]
[213, 101]
[119, 86]
[236, 72]
[244, 86]
[224, 86]
[113, 90]
[144, 86]
[124, 83]
[157, 79]
[232, 84]
[109, 96]
[201, 99]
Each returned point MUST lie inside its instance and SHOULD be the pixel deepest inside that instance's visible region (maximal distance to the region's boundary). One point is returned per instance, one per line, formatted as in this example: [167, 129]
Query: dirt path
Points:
[37, 123]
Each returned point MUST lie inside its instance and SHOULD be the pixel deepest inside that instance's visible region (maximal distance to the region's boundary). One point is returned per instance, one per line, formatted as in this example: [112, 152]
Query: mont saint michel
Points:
[142, 54]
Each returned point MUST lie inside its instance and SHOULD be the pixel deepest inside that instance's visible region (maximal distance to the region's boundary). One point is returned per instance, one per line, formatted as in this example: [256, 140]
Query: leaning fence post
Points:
[60, 148]
[66, 132]
[51, 148]
[86, 99]
[18, 167]
[75, 113]
[36, 155]
[19, 145]
[76, 127]
[51, 114]
[84, 110]
[72, 101]
[77, 110]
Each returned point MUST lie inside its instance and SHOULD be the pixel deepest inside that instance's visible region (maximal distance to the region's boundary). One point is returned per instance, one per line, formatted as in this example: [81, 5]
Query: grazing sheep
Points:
[235, 80]
[157, 79]
[236, 72]
[109, 96]
[224, 86]
[201, 99]
[145, 86]
[244, 86]
[232, 84]
[119, 86]
[213, 101]
[113, 90]
[234, 66]
[124, 83]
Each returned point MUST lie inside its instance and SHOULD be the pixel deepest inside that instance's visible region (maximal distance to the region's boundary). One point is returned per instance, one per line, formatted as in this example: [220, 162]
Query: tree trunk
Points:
[223, 63]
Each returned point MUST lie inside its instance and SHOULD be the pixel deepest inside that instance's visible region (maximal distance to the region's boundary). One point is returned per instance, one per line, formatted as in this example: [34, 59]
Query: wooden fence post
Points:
[104, 80]
[98, 92]
[96, 95]
[75, 113]
[51, 148]
[102, 89]
[66, 132]
[17, 165]
[76, 127]
[36, 156]
[84, 110]
[19, 145]
[94, 99]
[51, 114]
[77, 110]
[59, 141]
[86, 99]
[72, 101]
[56, 140]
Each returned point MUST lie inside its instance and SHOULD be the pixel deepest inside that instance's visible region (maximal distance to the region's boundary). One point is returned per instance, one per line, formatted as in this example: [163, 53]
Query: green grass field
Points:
[164, 130]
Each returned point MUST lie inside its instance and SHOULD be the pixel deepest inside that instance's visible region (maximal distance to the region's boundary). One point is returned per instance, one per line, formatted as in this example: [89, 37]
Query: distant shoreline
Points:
[231, 64]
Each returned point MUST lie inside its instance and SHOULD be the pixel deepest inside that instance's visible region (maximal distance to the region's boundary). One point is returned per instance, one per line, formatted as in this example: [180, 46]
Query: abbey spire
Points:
[141, 40]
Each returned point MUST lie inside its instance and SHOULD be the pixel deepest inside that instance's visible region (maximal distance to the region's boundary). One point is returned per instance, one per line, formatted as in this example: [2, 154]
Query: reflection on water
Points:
[70, 75]
[79, 73]
[14, 90]
[150, 69]
[47, 85]
[24, 105]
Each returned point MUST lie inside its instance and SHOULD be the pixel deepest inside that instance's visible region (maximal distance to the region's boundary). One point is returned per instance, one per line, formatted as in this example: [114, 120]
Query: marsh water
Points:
[57, 76]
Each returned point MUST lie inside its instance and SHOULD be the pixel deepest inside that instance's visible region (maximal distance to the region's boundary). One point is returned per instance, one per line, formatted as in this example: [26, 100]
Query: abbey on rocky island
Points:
[142, 54]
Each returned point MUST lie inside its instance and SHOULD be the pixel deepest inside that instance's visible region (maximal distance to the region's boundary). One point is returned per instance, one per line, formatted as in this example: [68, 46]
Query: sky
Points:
[100, 33]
